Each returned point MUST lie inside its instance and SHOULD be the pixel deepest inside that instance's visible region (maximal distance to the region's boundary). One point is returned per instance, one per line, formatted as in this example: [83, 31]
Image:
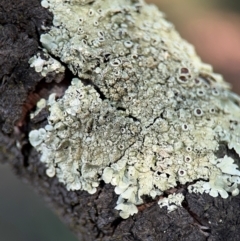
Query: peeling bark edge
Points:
[91, 217]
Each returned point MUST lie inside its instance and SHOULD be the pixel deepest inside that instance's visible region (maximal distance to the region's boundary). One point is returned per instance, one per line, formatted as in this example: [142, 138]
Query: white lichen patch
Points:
[41, 104]
[163, 116]
[45, 66]
[172, 202]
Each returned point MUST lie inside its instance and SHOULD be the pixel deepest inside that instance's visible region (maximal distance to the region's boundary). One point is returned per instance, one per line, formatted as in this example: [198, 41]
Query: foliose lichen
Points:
[172, 202]
[151, 115]
[47, 65]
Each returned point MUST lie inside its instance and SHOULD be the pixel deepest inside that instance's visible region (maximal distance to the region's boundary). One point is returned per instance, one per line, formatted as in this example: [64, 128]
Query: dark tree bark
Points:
[90, 217]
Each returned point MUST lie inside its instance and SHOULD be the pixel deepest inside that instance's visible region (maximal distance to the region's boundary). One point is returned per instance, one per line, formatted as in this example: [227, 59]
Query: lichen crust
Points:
[143, 114]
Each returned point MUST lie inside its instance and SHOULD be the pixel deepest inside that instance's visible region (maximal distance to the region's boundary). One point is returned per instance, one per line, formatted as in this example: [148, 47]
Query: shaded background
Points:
[213, 27]
[24, 215]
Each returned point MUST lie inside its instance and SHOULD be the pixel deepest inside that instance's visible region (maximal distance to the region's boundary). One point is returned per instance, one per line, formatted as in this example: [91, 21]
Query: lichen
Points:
[172, 202]
[41, 104]
[148, 115]
[47, 65]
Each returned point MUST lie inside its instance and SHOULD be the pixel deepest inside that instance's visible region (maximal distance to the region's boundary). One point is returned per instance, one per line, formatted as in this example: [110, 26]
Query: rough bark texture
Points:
[91, 217]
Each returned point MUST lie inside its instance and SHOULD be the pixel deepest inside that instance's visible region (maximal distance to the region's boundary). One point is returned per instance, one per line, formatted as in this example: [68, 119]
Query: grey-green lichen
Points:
[163, 114]
[172, 202]
[47, 65]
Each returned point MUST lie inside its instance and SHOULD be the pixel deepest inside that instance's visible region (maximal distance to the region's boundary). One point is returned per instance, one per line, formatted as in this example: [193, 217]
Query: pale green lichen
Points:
[172, 202]
[41, 104]
[47, 65]
[163, 115]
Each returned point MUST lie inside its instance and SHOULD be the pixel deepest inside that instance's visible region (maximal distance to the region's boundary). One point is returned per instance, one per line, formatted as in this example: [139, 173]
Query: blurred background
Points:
[213, 27]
